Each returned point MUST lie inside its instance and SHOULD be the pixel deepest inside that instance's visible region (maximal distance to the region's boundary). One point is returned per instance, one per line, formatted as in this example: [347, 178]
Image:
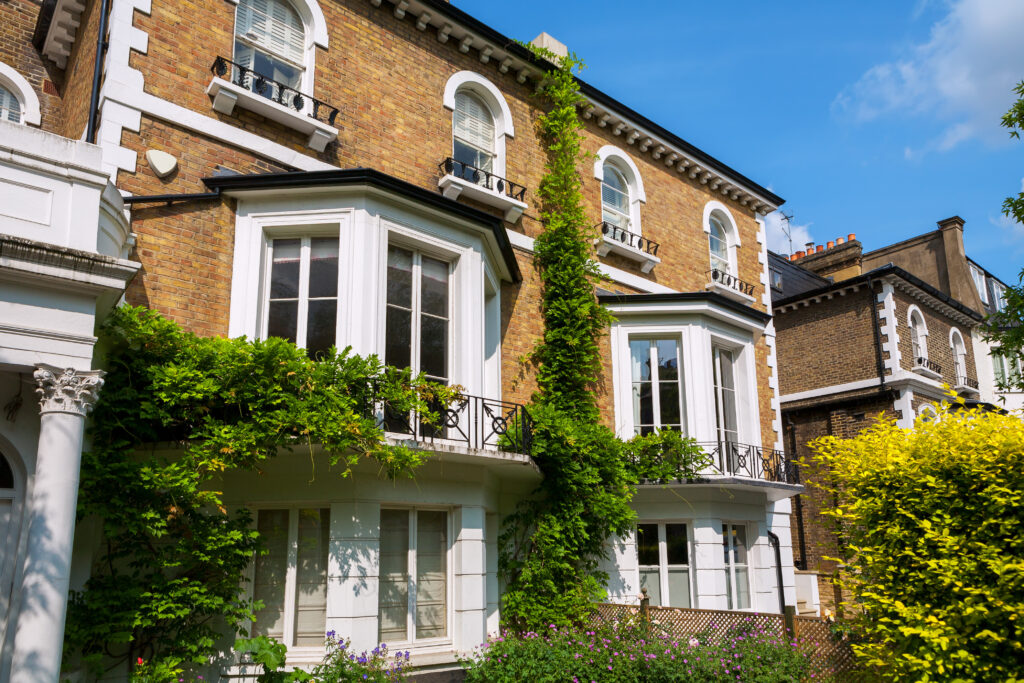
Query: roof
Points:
[688, 297]
[795, 279]
[373, 178]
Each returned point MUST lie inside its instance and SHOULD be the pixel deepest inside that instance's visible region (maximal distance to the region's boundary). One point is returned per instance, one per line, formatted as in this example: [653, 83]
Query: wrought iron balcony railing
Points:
[743, 460]
[474, 421]
[638, 242]
[274, 91]
[922, 362]
[731, 281]
[965, 381]
[479, 176]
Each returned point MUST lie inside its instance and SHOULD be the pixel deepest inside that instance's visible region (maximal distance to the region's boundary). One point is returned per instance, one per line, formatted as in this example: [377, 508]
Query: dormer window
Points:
[473, 126]
[615, 198]
[270, 39]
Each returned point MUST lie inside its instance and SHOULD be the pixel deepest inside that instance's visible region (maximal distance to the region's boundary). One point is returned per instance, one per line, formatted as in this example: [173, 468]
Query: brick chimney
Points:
[838, 259]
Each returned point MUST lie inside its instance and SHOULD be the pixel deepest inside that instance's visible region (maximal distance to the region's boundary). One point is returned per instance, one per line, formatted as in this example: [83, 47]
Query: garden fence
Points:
[830, 653]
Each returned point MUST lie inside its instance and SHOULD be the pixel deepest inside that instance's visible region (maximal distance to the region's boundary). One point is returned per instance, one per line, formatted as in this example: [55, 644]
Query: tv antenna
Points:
[786, 218]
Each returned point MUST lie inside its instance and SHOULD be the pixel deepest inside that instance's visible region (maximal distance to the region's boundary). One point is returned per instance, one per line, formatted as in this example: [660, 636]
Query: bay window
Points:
[290, 579]
[656, 385]
[302, 292]
[737, 575]
[662, 551]
[418, 313]
[413, 593]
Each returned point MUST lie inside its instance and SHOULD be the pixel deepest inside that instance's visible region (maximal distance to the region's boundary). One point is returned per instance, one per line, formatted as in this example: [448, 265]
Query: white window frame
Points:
[412, 642]
[663, 566]
[959, 354]
[979, 283]
[730, 567]
[999, 299]
[921, 342]
[22, 90]
[655, 381]
[1006, 366]
[291, 574]
[494, 100]
[621, 162]
[721, 212]
[303, 296]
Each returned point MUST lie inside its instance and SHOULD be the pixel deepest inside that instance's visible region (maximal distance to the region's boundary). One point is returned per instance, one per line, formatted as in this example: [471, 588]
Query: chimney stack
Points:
[548, 41]
[838, 258]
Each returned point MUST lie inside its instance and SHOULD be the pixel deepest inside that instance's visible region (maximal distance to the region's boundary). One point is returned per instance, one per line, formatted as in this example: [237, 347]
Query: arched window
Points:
[723, 237]
[270, 39]
[6, 474]
[615, 202]
[718, 246]
[918, 336]
[956, 341]
[473, 127]
[10, 107]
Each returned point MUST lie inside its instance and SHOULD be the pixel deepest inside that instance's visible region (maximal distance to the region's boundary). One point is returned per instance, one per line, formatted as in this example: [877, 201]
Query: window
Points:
[979, 281]
[918, 336]
[418, 317]
[614, 198]
[270, 39]
[413, 597]
[723, 237]
[956, 341]
[662, 552]
[10, 107]
[657, 385]
[776, 279]
[723, 367]
[718, 245]
[999, 296]
[1007, 370]
[291, 578]
[473, 128]
[737, 580]
[302, 297]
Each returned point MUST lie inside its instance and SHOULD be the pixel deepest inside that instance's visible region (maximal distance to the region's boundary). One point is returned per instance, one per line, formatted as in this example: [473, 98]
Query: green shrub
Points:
[634, 655]
[934, 519]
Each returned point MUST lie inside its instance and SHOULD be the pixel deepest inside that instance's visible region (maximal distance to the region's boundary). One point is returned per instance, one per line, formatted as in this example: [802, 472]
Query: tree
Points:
[1006, 327]
[932, 522]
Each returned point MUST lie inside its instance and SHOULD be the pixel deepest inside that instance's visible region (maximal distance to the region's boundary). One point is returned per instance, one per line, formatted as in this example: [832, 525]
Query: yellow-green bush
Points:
[934, 519]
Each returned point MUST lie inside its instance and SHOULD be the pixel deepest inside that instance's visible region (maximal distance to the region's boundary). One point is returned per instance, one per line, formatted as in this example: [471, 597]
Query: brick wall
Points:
[17, 23]
[939, 349]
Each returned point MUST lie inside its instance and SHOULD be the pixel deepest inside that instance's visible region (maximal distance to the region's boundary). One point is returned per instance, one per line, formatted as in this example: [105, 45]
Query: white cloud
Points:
[962, 76]
[778, 242]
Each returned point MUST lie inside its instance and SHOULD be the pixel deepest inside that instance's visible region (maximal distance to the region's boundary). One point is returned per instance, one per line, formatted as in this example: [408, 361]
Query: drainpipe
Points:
[97, 72]
[773, 540]
[801, 542]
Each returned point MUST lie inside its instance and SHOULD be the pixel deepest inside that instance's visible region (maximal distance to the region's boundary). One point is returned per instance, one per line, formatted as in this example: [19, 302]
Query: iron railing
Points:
[478, 176]
[731, 281]
[274, 91]
[964, 381]
[638, 242]
[755, 462]
[922, 362]
[474, 421]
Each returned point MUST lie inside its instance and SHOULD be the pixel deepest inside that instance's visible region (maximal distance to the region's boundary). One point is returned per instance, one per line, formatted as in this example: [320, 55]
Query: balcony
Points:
[471, 421]
[966, 385]
[461, 179]
[636, 247]
[730, 286]
[928, 368]
[727, 459]
[236, 85]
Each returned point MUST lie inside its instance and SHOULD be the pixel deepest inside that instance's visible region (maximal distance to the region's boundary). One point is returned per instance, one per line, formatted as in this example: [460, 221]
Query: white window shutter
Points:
[473, 122]
[272, 25]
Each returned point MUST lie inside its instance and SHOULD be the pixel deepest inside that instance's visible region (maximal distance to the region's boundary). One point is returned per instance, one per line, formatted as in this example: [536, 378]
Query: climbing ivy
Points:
[178, 412]
[552, 545]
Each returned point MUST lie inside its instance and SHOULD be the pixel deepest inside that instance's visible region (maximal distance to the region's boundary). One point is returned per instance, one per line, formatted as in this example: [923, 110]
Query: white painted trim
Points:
[913, 308]
[887, 317]
[490, 94]
[732, 233]
[954, 331]
[904, 404]
[312, 17]
[623, 277]
[20, 88]
[708, 309]
[769, 332]
[615, 154]
[833, 389]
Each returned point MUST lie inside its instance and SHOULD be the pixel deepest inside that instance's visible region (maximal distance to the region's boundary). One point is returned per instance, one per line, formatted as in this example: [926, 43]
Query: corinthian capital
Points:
[67, 390]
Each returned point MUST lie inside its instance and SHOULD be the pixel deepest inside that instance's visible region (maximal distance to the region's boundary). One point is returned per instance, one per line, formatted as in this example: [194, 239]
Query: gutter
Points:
[773, 541]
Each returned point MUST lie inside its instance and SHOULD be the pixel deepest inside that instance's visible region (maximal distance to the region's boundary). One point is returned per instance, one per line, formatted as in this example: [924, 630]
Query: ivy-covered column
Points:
[66, 396]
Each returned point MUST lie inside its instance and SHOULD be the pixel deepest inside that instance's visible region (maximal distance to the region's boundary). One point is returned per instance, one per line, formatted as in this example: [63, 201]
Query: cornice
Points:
[451, 24]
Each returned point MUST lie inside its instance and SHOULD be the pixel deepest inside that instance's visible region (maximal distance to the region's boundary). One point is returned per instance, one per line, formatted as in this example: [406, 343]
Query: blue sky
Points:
[877, 118]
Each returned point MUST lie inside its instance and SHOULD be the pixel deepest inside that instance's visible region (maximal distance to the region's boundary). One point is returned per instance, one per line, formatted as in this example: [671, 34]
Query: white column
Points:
[710, 563]
[470, 590]
[65, 398]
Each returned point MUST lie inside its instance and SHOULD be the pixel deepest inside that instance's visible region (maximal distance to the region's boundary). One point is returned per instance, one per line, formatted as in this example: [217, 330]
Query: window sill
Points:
[454, 187]
[729, 292]
[226, 95]
[606, 245]
[926, 372]
[965, 389]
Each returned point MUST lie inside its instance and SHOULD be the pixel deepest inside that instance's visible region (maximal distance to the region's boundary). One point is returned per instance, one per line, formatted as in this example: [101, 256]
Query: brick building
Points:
[363, 173]
[863, 334]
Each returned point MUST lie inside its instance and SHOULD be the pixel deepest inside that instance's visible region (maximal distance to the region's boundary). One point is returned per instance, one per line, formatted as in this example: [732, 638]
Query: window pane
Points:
[647, 544]
[320, 326]
[739, 539]
[434, 347]
[311, 576]
[676, 544]
[323, 267]
[728, 588]
[434, 283]
[679, 587]
[640, 359]
[669, 403]
[478, 159]
[726, 531]
[651, 580]
[668, 359]
[400, 277]
[284, 272]
[283, 319]
[398, 338]
[742, 588]
[269, 575]
[431, 574]
[643, 404]
[393, 598]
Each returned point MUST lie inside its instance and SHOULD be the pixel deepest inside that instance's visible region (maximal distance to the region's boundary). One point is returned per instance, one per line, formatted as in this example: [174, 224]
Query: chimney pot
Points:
[840, 240]
[818, 249]
[851, 237]
[830, 244]
[799, 254]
